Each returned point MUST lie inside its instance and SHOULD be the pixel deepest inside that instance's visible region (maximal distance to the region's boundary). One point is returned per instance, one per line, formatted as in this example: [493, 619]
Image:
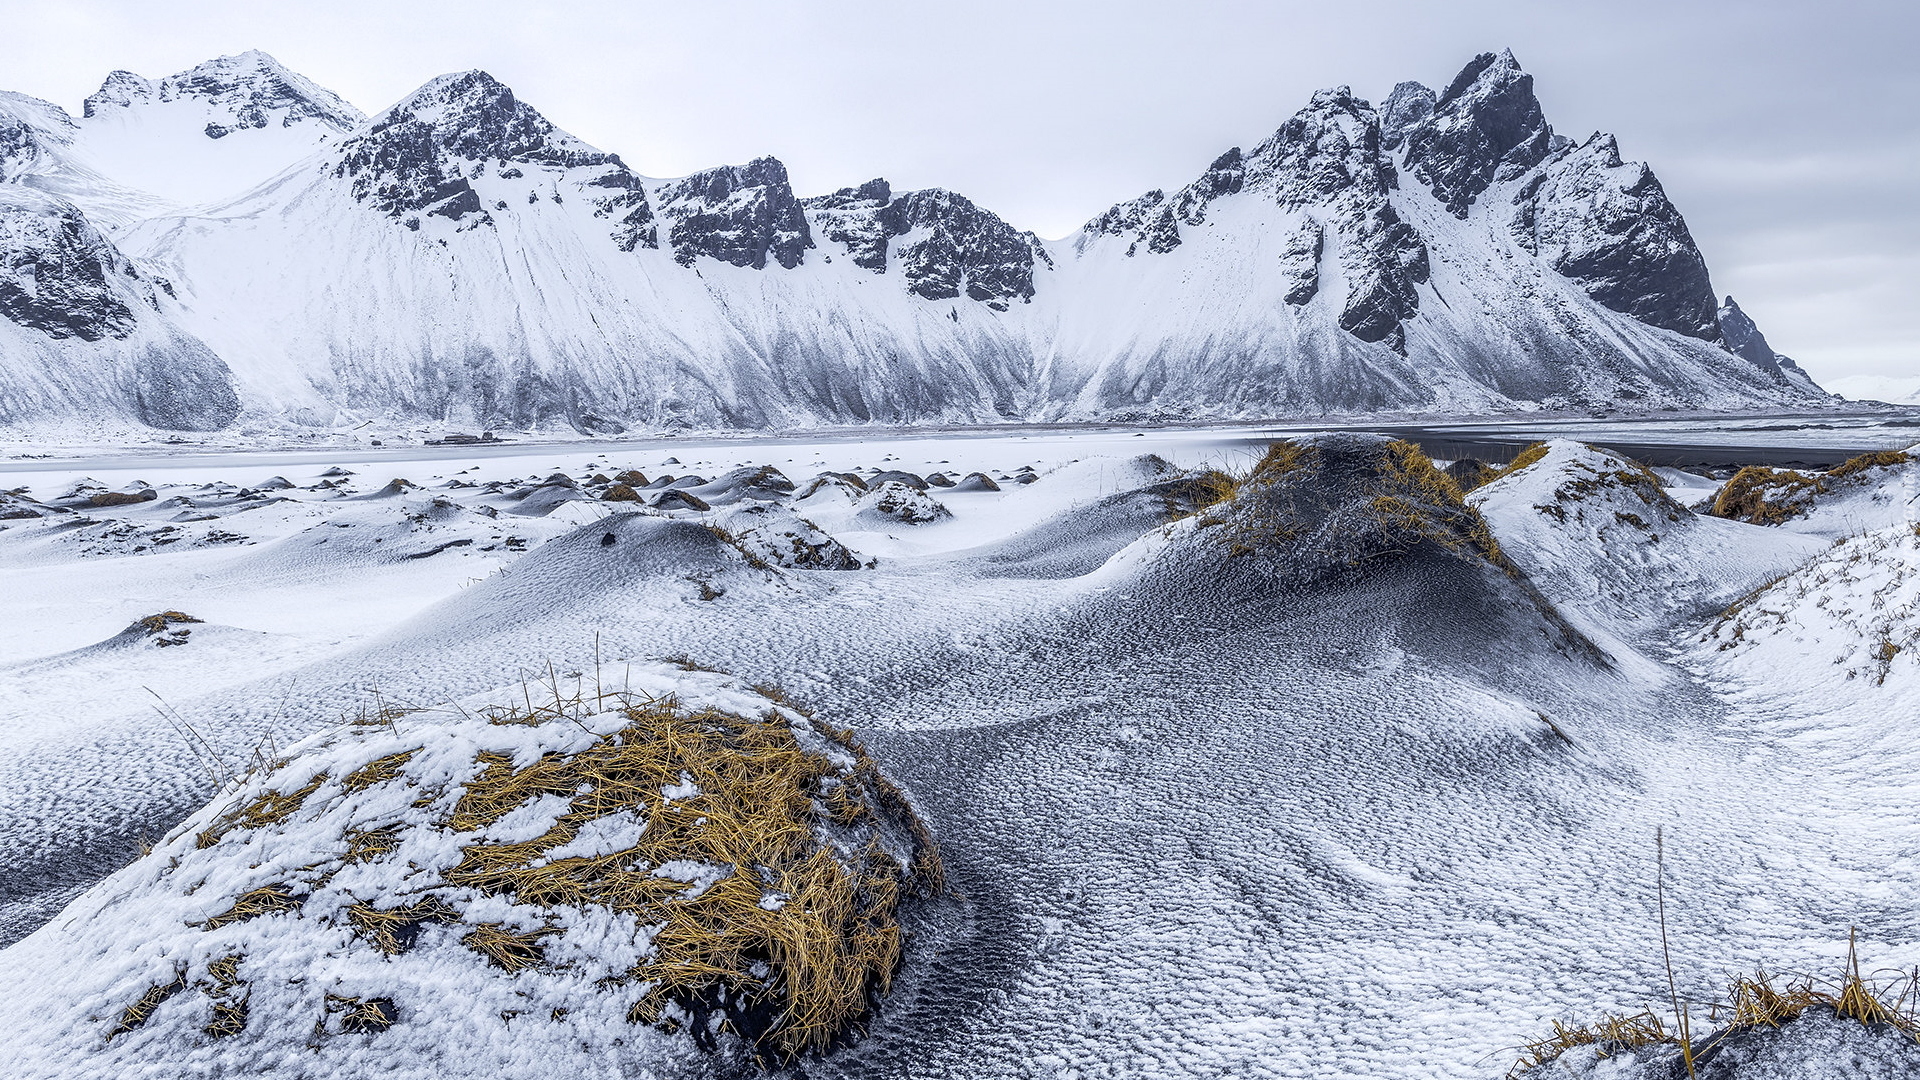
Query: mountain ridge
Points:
[459, 258]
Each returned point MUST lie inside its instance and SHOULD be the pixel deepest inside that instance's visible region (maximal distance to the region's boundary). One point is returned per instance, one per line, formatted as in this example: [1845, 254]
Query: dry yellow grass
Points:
[1419, 499]
[741, 798]
[229, 1016]
[363, 1015]
[1530, 455]
[379, 712]
[378, 771]
[1761, 1000]
[1878, 459]
[509, 950]
[1246, 534]
[269, 809]
[141, 1010]
[364, 845]
[1762, 496]
[158, 623]
[1612, 1034]
[391, 930]
[266, 900]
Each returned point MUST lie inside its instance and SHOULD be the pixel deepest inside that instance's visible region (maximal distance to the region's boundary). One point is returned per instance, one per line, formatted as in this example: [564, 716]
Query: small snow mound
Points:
[763, 483]
[16, 505]
[1861, 493]
[545, 499]
[1575, 480]
[845, 486]
[893, 502]
[785, 539]
[120, 498]
[1599, 534]
[676, 499]
[912, 480]
[615, 880]
[396, 486]
[976, 481]
[1082, 538]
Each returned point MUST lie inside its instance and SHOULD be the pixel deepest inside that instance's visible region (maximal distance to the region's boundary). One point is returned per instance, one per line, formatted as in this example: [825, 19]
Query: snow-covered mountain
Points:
[1443, 252]
[212, 131]
[457, 258]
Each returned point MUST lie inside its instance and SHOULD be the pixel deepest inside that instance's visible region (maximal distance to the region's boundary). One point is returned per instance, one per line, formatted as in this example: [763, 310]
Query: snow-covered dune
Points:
[1603, 537]
[1251, 774]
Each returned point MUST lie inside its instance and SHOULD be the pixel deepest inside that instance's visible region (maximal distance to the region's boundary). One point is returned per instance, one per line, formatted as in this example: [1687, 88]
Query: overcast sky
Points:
[1787, 132]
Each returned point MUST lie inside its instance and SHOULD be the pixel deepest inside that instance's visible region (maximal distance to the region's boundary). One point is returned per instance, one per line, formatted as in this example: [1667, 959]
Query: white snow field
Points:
[1337, 777]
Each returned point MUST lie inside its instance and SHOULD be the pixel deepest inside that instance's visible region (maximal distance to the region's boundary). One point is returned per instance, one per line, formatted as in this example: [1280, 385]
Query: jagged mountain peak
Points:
[952, 247]
[1745, 339]
[875, 192]
[1333, 98]
[1487, 74]
[478, 117]
[738, 214]
[423, 155]
[1607, 224]
[1486, 127]
[1329, 144]
[252, 87]
[121, 89]
[1334, 123]
[1406, 108]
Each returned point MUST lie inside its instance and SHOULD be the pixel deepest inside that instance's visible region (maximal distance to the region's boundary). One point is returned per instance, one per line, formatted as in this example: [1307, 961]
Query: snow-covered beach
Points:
[1209, 814]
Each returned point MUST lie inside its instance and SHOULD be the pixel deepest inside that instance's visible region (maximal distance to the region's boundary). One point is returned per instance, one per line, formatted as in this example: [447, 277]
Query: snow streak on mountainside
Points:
[459, 259]
[39, 149]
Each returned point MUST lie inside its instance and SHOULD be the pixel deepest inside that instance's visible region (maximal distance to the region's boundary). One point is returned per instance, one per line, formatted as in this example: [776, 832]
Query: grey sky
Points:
[1787, 132]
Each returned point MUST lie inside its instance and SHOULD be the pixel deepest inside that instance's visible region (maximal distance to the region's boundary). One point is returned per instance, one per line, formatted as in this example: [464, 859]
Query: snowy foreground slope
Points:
[1318, 769]
[457, 259]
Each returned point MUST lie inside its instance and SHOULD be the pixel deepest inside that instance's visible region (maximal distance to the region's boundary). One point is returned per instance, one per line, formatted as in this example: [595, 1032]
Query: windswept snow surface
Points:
[1605, 538]
[1209, 815]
